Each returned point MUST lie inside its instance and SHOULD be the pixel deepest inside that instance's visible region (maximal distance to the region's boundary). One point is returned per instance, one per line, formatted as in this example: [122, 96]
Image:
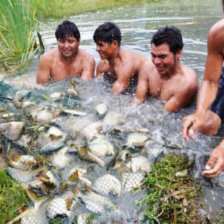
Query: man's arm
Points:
[143, 85]
[209, 86]
[102, 67]
[43, 73]
[88, 69]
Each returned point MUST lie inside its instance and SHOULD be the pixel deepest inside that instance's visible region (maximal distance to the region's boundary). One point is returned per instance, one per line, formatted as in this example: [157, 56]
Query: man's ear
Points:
[178, 54]
[115, 44]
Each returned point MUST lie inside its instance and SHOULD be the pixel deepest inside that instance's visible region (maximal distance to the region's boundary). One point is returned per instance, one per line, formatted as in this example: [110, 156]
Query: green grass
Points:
[171, 199]
[17, 33]
[60, 8]
[12, 197]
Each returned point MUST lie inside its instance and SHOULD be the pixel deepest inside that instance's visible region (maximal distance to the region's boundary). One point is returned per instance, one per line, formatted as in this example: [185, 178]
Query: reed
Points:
[17, 33]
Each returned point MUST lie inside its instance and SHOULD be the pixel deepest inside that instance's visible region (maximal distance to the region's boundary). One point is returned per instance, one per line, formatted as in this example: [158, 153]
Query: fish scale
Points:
[107, 184]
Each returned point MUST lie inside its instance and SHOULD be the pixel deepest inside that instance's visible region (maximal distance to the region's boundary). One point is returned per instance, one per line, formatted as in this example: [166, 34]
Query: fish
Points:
[131, 180]
[101, 109]
[74, 112]
[86, 155]
[45, 116]
[96, 203]
[139, 163]
[20, 96]
[35, 215]
[60, 206]
[55, 133]
[56, 95]
[107, 184]
[78, 173]
[51, 147]
[100, 147]
[91, 130]
[23, 176]
[61, 158]
[12, 130]
[23, 162]
[137, 139]
[113, 119]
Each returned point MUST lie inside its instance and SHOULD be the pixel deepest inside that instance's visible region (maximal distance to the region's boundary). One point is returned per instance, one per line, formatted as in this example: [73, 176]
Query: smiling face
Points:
[163, 59]
[68, 47]
[106, 50]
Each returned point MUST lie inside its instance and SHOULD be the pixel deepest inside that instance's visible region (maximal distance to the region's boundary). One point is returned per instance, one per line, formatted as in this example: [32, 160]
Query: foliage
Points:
[12, 198]
[60, 8]
[173, 196]
[17, 33]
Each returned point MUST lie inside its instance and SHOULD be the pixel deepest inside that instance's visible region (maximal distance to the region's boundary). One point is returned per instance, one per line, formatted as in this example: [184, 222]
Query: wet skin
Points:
[65, 62]
[203, 119]
[165, 77]
[118, 63]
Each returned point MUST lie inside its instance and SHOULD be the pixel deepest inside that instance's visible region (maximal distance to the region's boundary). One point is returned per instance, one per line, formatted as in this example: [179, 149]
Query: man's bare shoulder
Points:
[190, 79]
[50, 55]
[129, 54]
[86, 56]
[216, 34]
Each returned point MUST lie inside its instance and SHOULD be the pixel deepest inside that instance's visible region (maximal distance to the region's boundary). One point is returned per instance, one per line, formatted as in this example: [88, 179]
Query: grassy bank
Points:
[18, 24]
[60, 8]
[12, 198]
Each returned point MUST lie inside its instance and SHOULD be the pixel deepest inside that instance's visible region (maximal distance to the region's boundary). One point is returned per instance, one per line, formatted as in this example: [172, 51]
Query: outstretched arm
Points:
[209, 86]
[102, 67]
[88, 69]
[43, 73]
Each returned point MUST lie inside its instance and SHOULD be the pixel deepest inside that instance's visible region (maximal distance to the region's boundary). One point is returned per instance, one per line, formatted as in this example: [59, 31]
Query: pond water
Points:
[137, 24]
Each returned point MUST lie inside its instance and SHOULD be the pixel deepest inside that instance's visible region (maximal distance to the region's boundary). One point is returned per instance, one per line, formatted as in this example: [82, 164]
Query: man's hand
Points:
[191, 123]
[215, 164]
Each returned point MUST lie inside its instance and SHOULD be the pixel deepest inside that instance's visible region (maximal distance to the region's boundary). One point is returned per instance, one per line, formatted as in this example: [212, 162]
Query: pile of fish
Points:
[74, 160]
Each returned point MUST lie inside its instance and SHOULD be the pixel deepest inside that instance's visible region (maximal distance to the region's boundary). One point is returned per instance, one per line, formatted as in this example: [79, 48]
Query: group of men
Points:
[162, 76]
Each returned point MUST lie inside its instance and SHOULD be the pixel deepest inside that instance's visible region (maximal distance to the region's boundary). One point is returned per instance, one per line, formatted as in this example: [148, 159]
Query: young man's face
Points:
[105, 49]
[68, 47]
[163, 59]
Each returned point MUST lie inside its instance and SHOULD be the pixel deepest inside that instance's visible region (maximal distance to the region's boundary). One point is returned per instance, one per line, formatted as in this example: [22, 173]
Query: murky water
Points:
[137, 24]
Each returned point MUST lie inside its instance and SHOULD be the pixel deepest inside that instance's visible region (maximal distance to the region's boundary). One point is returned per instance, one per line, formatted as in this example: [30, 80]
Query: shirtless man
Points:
[120, 64]
[211, 91]
[67, 60]
[164, 76]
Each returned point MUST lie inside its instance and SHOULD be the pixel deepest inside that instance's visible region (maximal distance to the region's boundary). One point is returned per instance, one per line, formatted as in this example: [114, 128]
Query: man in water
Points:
[211, 91]
[164, 75]
[67, 60]
[116, 62]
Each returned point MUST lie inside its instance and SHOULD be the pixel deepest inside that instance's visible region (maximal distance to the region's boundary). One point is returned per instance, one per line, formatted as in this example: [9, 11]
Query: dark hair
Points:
[169, 35]
[107, 32]
[67, 28]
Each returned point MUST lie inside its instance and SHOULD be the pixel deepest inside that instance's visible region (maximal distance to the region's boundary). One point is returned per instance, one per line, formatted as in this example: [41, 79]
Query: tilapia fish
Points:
[139, 163]
[131, 180]
[96, 203]
[107, 184]
[12, 130]
[23, 162]
[137, 139]
[85, 154]
[62, 205]
[92, 129]
[36, 215]
[100, 147]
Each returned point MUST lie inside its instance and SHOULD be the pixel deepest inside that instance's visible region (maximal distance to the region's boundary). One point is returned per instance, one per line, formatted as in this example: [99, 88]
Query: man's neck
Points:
[115, 58]
[173, 72]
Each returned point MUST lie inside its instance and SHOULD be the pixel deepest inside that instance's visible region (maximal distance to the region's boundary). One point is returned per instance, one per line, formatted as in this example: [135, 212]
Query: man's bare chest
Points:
[60, 69]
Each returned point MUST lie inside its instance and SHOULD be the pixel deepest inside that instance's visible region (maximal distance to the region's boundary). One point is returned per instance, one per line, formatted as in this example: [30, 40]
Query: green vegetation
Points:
[172, 195]
[12, 198]
[17, 34]
[60, 8]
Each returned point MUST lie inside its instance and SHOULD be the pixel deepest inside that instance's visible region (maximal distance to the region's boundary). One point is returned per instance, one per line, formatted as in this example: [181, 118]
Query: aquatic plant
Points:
[12, 198]
[18, 38]
[173, 196]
